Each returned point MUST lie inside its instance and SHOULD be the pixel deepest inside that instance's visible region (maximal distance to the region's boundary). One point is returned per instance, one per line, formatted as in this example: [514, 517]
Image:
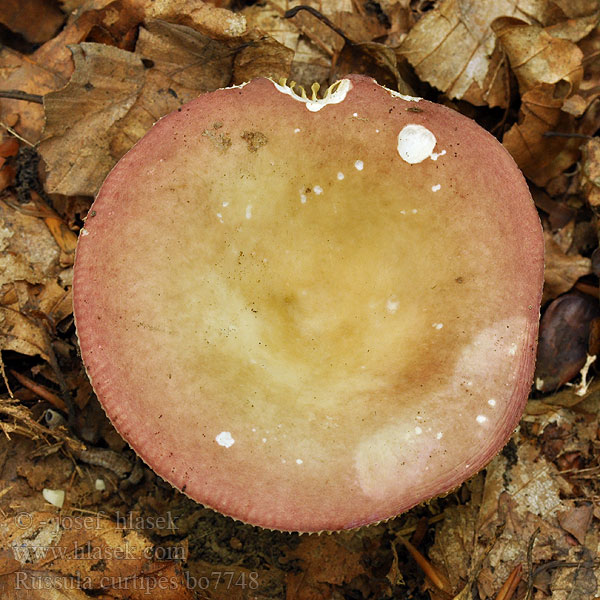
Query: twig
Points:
[564, 134]
[13, 132]
[19, 95]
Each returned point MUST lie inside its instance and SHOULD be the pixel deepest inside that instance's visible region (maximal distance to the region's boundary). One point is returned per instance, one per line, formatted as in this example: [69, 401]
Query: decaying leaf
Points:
[454, 48]
[562, 270]
[50, 66]
[180, 64]
[87, 554]
[212, 21]
[27, 249]
[324, 566]
[21, 334]
[76, 145]
[548, 69]
[522, 492]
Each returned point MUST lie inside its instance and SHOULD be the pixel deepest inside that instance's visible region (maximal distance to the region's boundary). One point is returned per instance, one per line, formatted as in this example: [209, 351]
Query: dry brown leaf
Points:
[218, 23]
[76, 145]
[262, 56]
[84, 553]
[182, 63]
[326, 561]
[548, 69]
[453, 48]
[521, 492]
[564, 340]
[577, 8]
[20, 334]
[36, 20]
[561, 270]
[50, 66]
[27, 249]
[577, 521]
[536, 57]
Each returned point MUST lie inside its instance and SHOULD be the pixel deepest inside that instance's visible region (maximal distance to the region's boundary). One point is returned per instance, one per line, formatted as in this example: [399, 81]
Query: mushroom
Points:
[312, 313]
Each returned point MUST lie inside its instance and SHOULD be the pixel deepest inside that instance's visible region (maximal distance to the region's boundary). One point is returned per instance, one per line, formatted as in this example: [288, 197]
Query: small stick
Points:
[19, 95]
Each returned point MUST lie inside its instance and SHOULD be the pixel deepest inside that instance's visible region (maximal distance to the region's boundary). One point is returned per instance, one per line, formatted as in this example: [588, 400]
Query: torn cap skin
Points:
[312, 314]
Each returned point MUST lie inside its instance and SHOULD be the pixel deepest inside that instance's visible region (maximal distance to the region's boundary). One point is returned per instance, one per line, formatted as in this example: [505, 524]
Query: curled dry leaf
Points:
[561, 270]
[548, 70]
[454, 48]
[76, 145]
[50, 66]
[212, 21]
[261, 56]
[21, 334]
[564, 339]
[537, 57]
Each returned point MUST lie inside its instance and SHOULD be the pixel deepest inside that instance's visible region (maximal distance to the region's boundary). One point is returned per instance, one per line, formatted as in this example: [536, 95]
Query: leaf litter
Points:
[89, 84]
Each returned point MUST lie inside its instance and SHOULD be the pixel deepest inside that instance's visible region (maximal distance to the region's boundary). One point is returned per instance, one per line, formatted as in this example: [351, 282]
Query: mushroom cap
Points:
[312, 314]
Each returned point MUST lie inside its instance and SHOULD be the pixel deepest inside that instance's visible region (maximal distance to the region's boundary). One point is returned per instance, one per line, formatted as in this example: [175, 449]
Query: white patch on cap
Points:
[224, 439]
[318, 190]
[437, 326]
[299, 461]
[396, 94]
[335, 97]
[416, 143]
[436, 188]
[220, 217]
[439, 435]
[84, 232]
[418, 430]
[340, 176]
[297, 130]
[249, 211]
[303, 198]
[481, 419]
[392, 304]
[492, 402]
[359, 165]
